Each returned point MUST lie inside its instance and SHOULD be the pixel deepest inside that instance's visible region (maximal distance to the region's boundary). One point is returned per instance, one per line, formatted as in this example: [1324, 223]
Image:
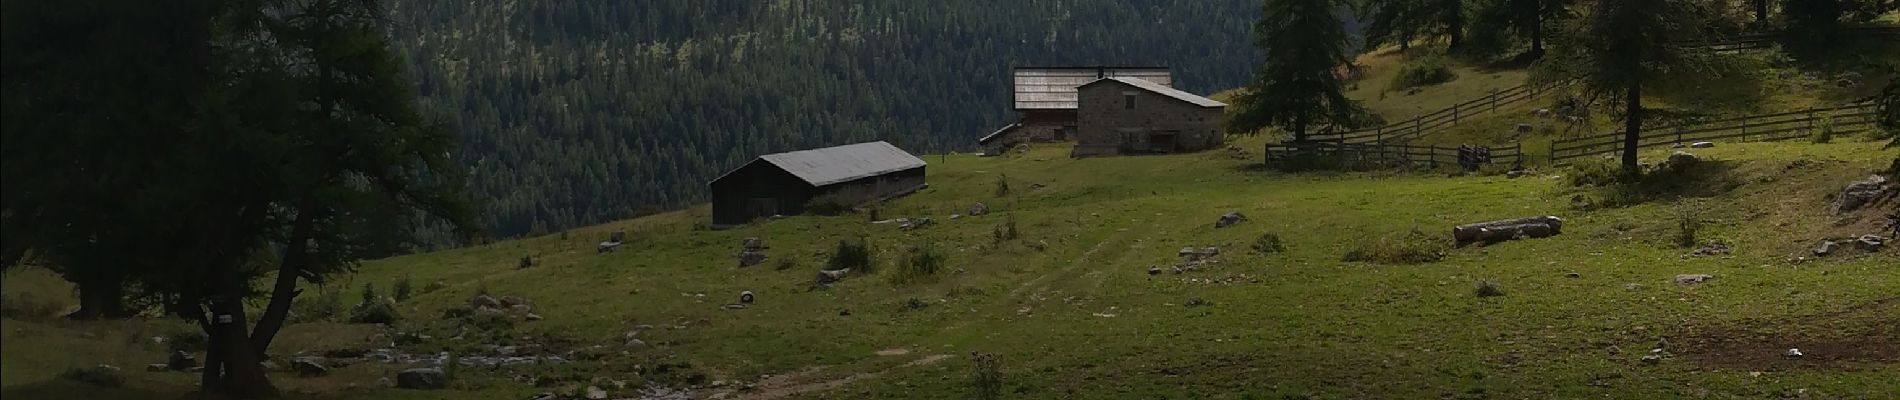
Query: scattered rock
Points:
[1632, 286]
[596, 393]
[1652, 359]
[1870, 243]
[830, 277]
[532, 317]
[745, 297]
[545, 396]
[309, 367]
[484, 302]
[512, 301]
[1188, 251]
[422, 379]
[1681, 159]
[1711, 249]
[1525, 128]
[750, 258]
[733, 306]
[1516, 173]
[1826, 248]
[979, 209]
[1154, 270]
[180, 361]
[844, 312]
[954, 217]
[1702, 145]
[1229, 219]
[1792, 353]
[919, 223]
[1691, 279]
[1861, 193]
[635, 343]
[1573, 275]
[157, 368]
[752, 244]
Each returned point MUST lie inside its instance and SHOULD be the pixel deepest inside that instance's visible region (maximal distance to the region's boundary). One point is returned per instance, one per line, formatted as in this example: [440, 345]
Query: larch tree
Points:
[1618, 46]
[1297, 87]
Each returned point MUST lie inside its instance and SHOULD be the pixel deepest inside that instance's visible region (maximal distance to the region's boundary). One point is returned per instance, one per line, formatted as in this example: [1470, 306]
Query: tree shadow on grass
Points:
[1668, 182]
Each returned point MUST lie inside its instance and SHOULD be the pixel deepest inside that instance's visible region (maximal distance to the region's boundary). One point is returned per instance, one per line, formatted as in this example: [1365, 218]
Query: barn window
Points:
[1128, 100]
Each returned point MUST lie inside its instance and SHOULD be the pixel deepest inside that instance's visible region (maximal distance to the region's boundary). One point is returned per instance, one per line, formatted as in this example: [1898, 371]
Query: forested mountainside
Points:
[578, 112]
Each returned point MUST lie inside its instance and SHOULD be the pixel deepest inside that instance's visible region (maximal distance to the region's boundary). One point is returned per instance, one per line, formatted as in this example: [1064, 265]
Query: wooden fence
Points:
[1367, 155]
[1419, 126]
[1844, 120]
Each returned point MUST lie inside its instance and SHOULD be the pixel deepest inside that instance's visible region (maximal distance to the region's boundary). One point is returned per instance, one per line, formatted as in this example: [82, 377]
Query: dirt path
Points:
[796, 383]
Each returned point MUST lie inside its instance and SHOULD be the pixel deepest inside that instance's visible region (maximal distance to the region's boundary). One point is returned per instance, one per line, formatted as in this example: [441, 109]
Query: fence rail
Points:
[1844, 120]
[1384, 154]
[1423, 124]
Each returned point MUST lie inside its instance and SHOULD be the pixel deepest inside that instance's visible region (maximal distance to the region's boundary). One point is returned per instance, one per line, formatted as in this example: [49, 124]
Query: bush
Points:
[1002, 185]
[1597, 171]
[1687, 223]
[323, 306]
[1006, 231]
[986, 378]
[1423, 71]
[186, 339]
[402, 289]
[1414, 247]
[1824, 133]
[1268, 243]
[377, 312]
[1487, 288]
[853, 254]
[525, 263]
[923, 262]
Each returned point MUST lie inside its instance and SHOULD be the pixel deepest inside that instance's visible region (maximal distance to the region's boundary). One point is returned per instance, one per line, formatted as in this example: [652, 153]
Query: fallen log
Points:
[1498, 231]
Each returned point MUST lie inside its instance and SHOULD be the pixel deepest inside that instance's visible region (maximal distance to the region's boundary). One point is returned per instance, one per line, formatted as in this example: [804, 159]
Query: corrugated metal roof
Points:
[830, 165]
[1165, 91]
[1053, 88]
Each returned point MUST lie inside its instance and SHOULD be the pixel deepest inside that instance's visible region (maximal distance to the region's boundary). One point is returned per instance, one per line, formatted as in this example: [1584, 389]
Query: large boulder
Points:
[1229, 219]
[751, 257]
[1861, 193]
[831, 277]
[1870, 243]
[422, 379]
[484, 302]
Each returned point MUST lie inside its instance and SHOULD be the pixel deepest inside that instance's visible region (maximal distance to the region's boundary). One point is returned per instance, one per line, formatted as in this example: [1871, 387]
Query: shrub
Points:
[1823, 133]
[1006, 231]
[525, 263]
[986, 377]
[1268, 243]
[377, 312]
[1487, 288]
[323, 306]
[915, 304]
[1002, 185]
[186, 339]
[1597, 171]
[1687, 223]
[921, 263]
[1414, 247]
[1423, 71]
[853, 254]
[402, 289]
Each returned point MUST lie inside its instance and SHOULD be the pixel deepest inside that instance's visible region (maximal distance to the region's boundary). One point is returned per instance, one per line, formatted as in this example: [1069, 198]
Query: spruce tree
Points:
[1297, 87]
[1618, 46]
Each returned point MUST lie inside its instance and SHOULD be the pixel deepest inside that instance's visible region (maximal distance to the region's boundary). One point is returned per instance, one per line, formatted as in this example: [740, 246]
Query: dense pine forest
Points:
[578, 112]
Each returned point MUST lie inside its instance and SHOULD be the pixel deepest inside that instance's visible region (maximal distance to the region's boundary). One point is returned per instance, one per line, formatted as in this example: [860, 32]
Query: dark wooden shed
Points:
[784, 183]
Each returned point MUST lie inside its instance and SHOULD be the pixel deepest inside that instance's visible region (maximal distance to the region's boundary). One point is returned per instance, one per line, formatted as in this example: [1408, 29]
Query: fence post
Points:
[1744, 128]
[1431, 155]
[1454, 114]
[1494, 101]
[1810, 130]
[1418, 126]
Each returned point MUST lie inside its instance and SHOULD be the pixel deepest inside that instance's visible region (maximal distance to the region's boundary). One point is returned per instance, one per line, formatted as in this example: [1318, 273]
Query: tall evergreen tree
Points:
[1618, 46]
[1527, 19]
[1296, 87]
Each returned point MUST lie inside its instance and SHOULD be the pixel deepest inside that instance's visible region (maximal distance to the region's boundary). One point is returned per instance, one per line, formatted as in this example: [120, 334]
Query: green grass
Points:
[1082, 318]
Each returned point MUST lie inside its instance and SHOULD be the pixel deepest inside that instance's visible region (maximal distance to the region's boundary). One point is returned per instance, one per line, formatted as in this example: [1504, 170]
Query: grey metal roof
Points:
[999, 133]
[830, 165]
[1053, 88]
[1165, 91]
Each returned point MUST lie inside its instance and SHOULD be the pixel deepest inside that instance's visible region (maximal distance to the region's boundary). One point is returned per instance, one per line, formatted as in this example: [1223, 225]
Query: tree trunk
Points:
[1537, 34]
[243, 376]
[285, 291]
[1632, 126]
[1299, 129]
[1455, 24]
[1761, 13]
[101, 296]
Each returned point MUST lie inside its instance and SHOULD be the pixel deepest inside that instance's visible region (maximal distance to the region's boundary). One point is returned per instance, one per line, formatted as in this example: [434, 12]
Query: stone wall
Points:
[1108, 127]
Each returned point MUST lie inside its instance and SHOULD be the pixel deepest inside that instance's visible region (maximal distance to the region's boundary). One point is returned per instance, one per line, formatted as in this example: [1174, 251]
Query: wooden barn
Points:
[1121, 116]
[1047, 100]
[784, 183]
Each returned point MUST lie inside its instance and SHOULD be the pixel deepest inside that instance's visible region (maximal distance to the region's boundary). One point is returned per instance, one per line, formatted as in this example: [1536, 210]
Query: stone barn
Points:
[1121, 116]
[1046, 99]
[784, 183]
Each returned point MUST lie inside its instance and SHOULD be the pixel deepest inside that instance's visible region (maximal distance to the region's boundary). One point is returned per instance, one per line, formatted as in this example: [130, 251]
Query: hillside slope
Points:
[1071, 311]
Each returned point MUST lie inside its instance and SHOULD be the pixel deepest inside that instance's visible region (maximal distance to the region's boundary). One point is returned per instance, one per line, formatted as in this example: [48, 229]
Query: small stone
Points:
[1826, 248]
[181, 360]
[596, 393]
[1691, 279]
[830, 277]
[635, 343]
[1573, 275]
[1524, 128]
[844, 312]
[1154, 270]
[532, 317]
[1701, 145]
[157, 368]
[1870, 243]
[979, 209]
[1651, 359]
[1229, 219]
[1792, 353]
[309, 367]
[745, 297]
